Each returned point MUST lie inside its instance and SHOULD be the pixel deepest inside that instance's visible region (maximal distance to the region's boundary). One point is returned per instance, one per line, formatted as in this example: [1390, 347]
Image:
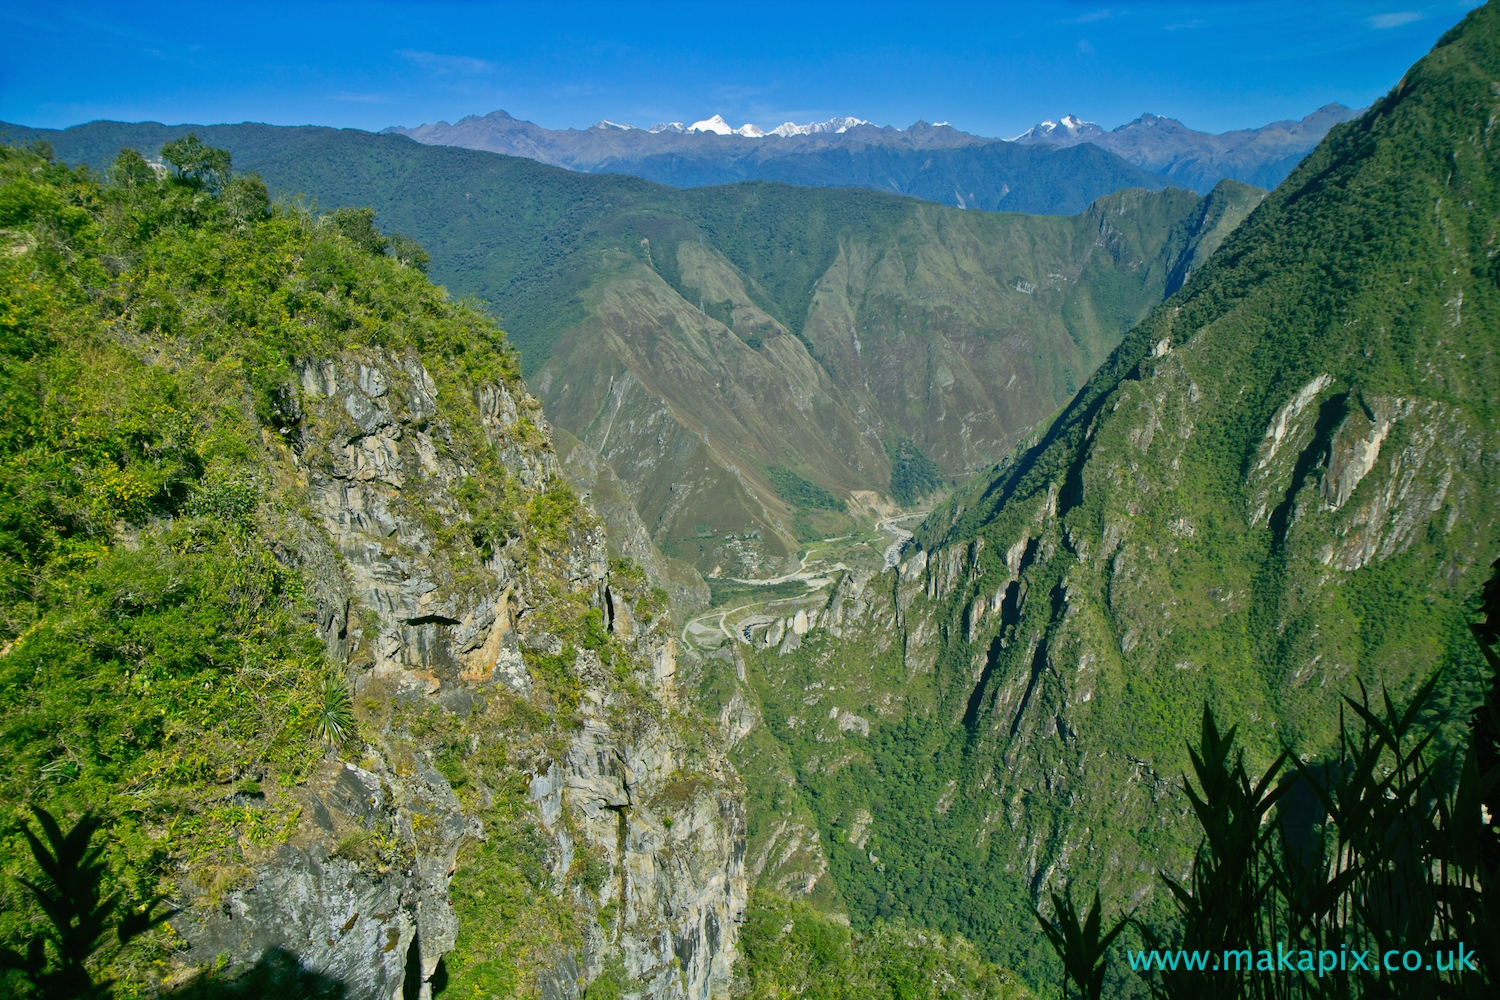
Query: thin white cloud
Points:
[1085, 47]
[1095, 15]
[1393, 20]
[737, 92]
[448, 65]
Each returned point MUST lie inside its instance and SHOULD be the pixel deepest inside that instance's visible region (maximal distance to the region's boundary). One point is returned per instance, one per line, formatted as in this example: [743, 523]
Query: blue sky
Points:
[992, 69]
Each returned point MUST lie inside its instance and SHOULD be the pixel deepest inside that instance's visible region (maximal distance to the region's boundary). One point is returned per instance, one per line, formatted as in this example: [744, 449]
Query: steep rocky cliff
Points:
[420, 629]
[311, 614]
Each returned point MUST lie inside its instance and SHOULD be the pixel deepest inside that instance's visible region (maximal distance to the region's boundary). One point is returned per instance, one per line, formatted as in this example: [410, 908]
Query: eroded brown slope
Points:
[955, 331]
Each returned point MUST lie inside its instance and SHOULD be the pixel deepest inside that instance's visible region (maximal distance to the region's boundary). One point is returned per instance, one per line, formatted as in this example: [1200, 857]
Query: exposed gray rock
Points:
[358, 891]
[328, 898]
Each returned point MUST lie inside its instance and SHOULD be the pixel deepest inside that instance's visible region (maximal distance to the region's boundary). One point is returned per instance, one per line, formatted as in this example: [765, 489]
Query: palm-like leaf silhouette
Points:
[68, 891]
[1080, 944]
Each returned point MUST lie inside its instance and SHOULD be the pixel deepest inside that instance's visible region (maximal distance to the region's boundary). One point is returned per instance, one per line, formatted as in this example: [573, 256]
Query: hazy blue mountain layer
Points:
[1261, 156]
[934, 162]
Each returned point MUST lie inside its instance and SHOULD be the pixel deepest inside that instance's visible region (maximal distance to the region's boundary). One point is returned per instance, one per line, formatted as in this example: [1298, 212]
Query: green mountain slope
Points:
[696, 339]
[1281, 485]
[953, 331]
[273, 510]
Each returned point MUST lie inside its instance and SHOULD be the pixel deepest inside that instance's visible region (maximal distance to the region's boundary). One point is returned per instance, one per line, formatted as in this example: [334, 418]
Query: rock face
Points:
[376, 454]
[369, 930]
[675, 846]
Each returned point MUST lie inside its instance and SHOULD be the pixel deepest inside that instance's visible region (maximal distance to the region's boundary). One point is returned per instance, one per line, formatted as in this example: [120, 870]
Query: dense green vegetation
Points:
[524, 236]
[727, 591]
[142, 668]
[904, 860]
[521, 235]
[791, 949]
[55, 964]
[1151, 553]
[519, 245]
[800, 493]
[1387, 850]
[900, 312]
[913, 474]
[1161, 546]
[159, 661]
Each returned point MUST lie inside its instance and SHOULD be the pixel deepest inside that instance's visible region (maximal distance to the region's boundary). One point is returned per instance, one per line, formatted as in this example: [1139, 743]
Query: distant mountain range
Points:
[1054, 168]
[1049, 169]
[719, 126]
[1261, 156]
[932, 162]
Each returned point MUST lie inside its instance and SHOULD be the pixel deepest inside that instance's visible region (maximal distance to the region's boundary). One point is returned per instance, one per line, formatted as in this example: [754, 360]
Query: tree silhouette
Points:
[68, 893]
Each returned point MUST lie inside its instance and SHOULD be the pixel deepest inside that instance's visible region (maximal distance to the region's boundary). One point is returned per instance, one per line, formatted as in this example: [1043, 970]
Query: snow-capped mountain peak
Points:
[719, 126]
[835, 125]
[716, 124]
[1067, 128]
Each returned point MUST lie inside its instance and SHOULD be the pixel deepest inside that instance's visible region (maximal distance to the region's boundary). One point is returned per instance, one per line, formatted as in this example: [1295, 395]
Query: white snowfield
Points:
[1068, 124]
[831, 125]
[718, 126]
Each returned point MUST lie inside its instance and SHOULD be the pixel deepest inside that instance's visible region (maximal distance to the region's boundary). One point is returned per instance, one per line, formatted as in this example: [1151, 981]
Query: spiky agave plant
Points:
[335, 719]
[1083, 945]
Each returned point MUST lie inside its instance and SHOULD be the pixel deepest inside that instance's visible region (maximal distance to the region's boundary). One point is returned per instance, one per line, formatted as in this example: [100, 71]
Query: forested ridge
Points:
[753, 296]
[1278, 491]
[1118, 680]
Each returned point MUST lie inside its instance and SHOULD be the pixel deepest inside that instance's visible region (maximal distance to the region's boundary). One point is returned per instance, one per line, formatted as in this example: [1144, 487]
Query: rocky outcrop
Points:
[355, 893]
[421, 614]
[675, 845]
